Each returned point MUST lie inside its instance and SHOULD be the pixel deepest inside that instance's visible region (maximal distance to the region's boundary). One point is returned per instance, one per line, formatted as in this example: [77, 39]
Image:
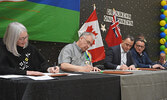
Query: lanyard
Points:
[87, 56]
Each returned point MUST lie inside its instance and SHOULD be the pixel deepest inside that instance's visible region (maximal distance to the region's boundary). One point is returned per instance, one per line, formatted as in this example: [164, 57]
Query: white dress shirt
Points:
[123, 58]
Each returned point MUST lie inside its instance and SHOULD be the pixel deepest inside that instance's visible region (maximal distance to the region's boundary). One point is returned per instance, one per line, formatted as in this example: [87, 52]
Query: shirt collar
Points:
[141, 54]
[138, 53]
[122, 50]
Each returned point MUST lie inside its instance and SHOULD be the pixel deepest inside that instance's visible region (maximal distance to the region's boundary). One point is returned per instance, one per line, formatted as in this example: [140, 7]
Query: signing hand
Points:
[87, 68]
[132, 67]
[124, 67]
[53, 69]
[95, 69]
[158, 66]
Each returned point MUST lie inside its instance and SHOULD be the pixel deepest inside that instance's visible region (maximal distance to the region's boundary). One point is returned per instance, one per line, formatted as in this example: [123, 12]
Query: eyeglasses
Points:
[140, 46]
[88, 42]
[23, 38]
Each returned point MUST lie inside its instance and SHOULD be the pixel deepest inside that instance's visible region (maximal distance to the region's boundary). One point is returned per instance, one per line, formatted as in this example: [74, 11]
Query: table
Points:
[144, 85]
[82, 87]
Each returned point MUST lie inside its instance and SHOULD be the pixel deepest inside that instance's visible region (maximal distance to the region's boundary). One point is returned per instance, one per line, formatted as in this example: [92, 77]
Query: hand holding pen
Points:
[54, 69]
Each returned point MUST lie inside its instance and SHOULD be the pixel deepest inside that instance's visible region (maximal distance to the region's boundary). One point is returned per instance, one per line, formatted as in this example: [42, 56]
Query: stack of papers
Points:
[46, 76]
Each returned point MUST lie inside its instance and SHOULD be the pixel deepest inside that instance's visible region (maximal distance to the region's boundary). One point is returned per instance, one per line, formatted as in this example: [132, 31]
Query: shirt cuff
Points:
[118, 67]
[48, 70]
[150, 66]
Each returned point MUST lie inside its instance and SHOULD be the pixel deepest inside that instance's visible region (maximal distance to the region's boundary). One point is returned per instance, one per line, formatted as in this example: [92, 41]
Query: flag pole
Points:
[94, 6]
[114, 11]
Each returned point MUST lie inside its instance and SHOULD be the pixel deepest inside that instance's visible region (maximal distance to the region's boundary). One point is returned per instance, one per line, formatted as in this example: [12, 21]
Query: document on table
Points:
[45, 77]
[73, 74]
[11, 76]
[69, 74]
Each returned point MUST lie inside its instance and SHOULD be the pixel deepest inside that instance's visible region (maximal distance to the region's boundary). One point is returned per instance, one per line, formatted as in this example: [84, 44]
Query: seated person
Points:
[75, 57]
[141, 58]
[17, 56]
[162, 60]
[119, 57]
[141, 36]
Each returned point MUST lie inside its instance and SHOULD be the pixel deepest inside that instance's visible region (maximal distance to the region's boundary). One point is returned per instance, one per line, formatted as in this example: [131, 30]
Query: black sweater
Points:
[30, 59]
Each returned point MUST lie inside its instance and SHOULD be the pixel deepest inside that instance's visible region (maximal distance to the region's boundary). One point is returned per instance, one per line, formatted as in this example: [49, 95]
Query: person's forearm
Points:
[70, 67]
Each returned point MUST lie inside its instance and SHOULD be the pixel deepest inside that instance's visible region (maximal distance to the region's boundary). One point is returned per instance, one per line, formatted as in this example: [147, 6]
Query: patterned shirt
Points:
[73, 54]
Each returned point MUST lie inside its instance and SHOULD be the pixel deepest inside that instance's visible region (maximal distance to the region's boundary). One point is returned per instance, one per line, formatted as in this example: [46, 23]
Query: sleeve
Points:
[109, 59]
[131, 60]
[39, 63]
[6, 67]
[65, 55]
[148, 60]
[138, 62]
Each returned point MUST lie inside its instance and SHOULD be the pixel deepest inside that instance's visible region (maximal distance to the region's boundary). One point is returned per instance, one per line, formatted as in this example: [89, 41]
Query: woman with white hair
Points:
[17, 56]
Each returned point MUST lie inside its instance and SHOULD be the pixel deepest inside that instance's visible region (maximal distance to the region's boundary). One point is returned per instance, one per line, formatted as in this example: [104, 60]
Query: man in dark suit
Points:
[119, 57]
[141, 58]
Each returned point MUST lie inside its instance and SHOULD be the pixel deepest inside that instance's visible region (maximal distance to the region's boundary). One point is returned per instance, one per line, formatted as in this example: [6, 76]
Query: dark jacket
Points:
[141, 61]
[113, 58]
[30, 59]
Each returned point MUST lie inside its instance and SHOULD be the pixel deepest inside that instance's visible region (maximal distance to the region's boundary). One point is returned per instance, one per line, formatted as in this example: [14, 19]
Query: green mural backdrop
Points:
[46, 20]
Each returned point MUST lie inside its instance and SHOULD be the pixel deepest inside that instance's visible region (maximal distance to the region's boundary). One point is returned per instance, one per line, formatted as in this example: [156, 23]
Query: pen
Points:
[55, 64]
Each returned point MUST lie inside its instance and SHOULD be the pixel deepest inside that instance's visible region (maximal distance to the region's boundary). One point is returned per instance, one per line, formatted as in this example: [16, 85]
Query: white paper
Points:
[45, 77]
[69, 74]
[72, 74]
[11, 76]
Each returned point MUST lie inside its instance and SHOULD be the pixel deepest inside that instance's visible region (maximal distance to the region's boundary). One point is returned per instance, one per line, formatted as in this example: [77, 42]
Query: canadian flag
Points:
[92, 25]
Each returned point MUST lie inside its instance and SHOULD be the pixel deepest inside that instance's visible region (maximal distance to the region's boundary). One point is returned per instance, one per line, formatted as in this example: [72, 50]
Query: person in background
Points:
[119, 57]
[141, 37]
[17, 56]
[141, 58]
[75, 57]
[162, 60]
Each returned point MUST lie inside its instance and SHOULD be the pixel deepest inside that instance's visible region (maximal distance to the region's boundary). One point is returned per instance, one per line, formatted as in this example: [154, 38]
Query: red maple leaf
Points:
[90, 29]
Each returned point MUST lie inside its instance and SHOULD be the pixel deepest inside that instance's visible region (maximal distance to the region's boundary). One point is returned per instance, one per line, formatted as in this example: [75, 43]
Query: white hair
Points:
[11, 37]
[87, 33]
